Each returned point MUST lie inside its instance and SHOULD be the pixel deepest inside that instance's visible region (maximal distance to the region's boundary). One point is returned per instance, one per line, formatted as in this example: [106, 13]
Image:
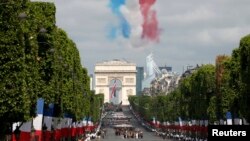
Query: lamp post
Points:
[22, 16]
[44, 129]
[6, 14]
[8, 133]
[42, 30]
[17, 133]
[32, 132]
[52, 132]
[59, 65]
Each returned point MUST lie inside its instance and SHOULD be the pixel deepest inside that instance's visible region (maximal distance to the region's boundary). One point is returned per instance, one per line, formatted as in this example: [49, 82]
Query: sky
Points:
[191, 32]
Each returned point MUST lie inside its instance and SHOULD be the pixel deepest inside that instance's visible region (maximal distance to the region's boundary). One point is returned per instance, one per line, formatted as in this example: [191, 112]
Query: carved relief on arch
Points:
[115, 81]
[101, 91]
[101, 80]
[129, 80]
[111, 79]
[129, 92]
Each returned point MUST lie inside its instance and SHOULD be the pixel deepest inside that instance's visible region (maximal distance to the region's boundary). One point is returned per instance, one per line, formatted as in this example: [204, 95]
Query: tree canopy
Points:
[39, 60]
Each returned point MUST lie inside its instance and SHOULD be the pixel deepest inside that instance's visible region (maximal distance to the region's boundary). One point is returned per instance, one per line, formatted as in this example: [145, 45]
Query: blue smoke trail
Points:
[115, 5]
[112, 34]
[124, 26]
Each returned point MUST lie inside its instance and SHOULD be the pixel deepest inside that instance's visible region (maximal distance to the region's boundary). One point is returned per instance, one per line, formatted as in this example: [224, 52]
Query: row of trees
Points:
[189, 101]
[208, 93]
[39, 60]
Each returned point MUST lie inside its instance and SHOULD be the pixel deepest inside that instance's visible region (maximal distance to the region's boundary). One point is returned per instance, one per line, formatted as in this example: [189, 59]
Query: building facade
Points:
[91, 82]
[167, 68]
[152, 71]
[139, 79]
[116, 79]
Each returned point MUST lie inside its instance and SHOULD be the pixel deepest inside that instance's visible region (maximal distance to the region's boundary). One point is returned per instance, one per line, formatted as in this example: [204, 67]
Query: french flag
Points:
[65, 129]
[73, 130]
[84, 121]
[57, 123]
[38, 120]
[81, 129]
[113, 92]
[47, 135]
[24, 131]
[25, 128]
[47, 122]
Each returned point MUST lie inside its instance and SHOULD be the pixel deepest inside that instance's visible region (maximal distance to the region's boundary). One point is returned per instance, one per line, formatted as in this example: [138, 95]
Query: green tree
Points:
[234, 81]
[96, 106]
[244, 51]
[202, 89]
[229, 88]
[185, 90]
[38, 60]
[16, 85]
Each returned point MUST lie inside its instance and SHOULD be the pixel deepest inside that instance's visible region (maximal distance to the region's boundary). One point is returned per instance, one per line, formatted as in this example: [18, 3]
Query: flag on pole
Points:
[180, 121]
[229, 118]
[113, 92]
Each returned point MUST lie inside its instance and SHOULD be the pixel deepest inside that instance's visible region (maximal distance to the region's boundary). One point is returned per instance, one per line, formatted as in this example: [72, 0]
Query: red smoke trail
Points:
[150, 24]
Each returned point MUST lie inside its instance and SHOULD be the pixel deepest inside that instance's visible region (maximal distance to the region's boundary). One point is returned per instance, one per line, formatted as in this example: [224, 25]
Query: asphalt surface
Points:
[147, 135]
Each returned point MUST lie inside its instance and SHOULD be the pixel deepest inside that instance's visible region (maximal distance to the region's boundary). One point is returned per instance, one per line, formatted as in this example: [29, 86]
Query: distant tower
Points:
[139, 79]
[149, 65]
[152, 71]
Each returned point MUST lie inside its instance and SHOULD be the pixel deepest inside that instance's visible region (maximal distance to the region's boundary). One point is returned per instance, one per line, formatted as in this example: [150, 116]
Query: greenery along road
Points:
[207, 92]
[45, 63]
[39, 60]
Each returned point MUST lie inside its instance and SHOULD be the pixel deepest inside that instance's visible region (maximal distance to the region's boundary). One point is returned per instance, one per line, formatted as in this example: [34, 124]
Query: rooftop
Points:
[115, 62]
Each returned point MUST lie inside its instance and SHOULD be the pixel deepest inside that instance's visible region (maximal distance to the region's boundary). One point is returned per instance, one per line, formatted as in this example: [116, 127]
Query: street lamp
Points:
[59, 61]
[8, 133]
[22, 16]
[42, 30]
[52, 133]
[17, 133]
[45, 43]
[44, 129]
[32, 131]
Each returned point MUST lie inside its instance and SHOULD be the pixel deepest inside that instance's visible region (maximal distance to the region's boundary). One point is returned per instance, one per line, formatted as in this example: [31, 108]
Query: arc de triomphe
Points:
[116, 79]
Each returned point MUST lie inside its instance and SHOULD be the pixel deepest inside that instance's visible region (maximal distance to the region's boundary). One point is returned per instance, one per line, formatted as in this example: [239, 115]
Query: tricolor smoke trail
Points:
[124, 25]
[150, 24]
[137, 21]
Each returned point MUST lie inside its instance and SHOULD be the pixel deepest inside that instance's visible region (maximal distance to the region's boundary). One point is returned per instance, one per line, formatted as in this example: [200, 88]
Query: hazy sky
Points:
[192, 31]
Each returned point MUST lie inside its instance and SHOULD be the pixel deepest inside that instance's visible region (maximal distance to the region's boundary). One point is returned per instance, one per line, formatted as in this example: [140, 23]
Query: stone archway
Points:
[125, 75]
[115, 91]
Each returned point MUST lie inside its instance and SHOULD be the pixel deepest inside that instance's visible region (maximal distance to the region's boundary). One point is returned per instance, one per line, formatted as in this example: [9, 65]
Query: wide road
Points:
[147, 135]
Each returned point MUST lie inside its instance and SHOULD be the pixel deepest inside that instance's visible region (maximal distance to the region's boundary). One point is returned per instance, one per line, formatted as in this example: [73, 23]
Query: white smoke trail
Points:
[132, 13]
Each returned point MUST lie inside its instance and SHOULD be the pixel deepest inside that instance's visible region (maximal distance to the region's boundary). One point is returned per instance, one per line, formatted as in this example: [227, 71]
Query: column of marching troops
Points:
[128, 133]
